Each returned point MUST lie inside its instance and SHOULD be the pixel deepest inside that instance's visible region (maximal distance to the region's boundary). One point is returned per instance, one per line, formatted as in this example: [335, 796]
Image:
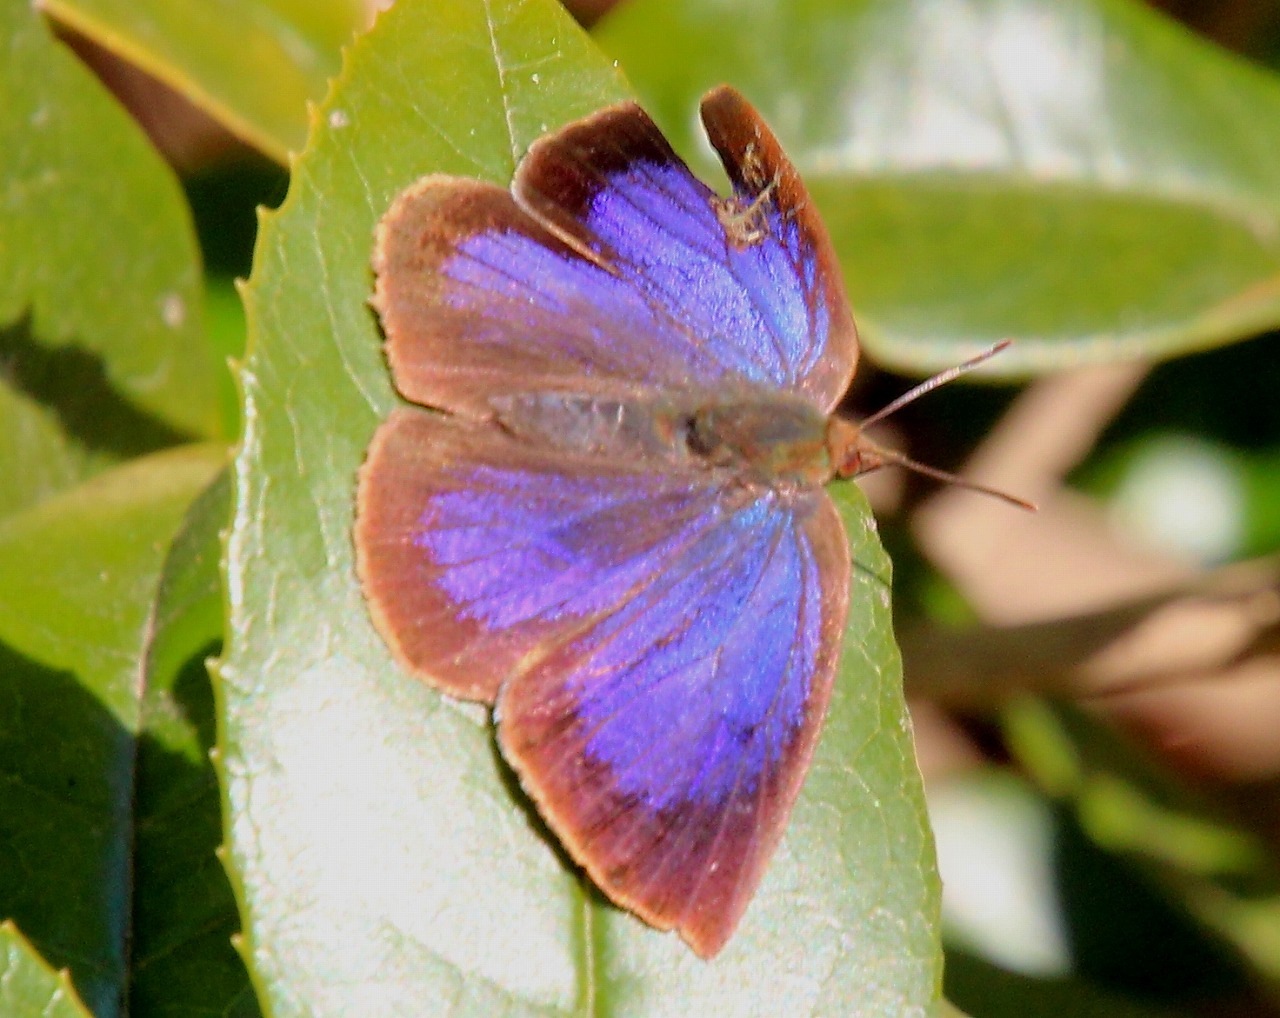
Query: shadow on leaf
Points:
[107, 847]
[72, 383]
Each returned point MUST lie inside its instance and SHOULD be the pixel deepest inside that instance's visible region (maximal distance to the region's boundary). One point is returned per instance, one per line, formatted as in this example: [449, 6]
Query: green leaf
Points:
[203, 50]
[29, 988]
[385, 858]
[227, 335]
[99, 272]
[1082, 175]
[78, 581]
[185, 915]
[36, 458]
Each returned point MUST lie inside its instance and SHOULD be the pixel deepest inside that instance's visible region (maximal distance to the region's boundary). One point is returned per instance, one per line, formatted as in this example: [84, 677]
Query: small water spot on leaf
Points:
[535, 77]
[338, 119]
[173, 310]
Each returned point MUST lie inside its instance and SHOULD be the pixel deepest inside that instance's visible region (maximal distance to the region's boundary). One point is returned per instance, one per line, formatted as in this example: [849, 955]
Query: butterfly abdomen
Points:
[633, 430]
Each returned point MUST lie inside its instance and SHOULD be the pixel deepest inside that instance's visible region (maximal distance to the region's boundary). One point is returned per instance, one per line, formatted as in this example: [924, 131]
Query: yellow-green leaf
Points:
[253, 65]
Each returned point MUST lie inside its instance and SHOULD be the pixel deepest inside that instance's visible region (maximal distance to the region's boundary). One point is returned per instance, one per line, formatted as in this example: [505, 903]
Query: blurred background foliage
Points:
[1095, 690]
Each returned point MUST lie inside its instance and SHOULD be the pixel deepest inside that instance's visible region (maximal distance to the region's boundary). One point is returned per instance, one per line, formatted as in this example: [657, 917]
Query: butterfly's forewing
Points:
[477, 299]
[614, 271]
[666, 743]
[477, 551]
[752, 280]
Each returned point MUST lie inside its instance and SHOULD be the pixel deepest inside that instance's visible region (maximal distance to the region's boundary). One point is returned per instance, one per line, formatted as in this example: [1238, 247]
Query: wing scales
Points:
[665, 744]
[612, 270]
[660, 638]
[475, 549]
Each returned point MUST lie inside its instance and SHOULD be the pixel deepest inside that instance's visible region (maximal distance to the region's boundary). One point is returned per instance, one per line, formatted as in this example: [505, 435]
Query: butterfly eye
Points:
[699, 434]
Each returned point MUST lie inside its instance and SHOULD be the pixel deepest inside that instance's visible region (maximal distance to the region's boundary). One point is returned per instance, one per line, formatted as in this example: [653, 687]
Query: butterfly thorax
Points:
[781, 441]
[775, 440]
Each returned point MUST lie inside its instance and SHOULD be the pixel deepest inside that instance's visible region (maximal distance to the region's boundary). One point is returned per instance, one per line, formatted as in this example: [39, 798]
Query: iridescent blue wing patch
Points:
[477, 551]
[666, 742]
[611, 269]
[661, 645]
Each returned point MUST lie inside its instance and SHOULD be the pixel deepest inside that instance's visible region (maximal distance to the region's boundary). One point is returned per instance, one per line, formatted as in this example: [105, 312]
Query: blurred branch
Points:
[1225, 618]
[1188, 659]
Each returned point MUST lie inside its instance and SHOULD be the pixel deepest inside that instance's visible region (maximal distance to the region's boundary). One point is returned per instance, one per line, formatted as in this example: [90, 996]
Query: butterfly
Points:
[604, 513]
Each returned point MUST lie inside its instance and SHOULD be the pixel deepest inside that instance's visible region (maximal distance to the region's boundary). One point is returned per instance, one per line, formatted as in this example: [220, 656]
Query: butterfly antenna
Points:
[869, 456]
[906, 462]
[929, 384]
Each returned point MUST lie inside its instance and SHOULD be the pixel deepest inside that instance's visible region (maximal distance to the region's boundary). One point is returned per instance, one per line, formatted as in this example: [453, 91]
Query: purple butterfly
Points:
[616, 530]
